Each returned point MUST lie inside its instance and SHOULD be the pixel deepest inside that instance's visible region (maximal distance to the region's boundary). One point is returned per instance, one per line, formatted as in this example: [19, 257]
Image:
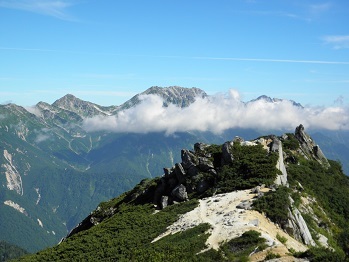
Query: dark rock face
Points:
[180, 173]
[199, 147]
[309, 148]
[195, 174]
[227, 157]
[205, 164]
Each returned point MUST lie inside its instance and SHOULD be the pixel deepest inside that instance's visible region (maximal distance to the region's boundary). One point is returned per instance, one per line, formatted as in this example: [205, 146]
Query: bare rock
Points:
[164, 202]
[188, 159]
[309, 148]
[199, 147]
[180, 193]
[180, 173]
[227, 156]
[205, 164]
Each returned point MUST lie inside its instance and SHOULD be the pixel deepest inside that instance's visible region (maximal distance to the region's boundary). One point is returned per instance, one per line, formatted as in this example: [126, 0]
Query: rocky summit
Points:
[256, 200]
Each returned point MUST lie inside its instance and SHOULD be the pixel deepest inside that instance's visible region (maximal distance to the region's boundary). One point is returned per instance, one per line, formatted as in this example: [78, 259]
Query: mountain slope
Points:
[57, 171]
[231, 188]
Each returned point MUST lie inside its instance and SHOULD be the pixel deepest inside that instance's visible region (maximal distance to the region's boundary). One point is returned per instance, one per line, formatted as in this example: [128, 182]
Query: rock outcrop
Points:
[309, 148]
[187, 176]
[298, 227]
[281, 179]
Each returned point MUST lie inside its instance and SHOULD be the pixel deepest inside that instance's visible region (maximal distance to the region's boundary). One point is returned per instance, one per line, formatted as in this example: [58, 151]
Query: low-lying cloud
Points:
[217, 114]
[42, 135]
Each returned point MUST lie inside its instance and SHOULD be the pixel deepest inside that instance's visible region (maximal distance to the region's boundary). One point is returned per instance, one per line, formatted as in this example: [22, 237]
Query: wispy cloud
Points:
[56, 9]
[246, 59]
[276, 13]
[219, 113]
[320, 8]
[274, 60]
[337, 41]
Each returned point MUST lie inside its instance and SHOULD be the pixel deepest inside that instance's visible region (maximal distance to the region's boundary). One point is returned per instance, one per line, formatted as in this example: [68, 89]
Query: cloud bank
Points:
[217, 114]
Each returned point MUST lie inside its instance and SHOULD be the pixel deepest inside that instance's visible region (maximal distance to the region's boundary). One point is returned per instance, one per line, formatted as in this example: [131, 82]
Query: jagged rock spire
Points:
[309, 148]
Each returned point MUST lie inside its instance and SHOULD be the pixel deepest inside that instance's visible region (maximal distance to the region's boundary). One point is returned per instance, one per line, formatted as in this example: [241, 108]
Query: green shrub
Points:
[275, 205]
[252, 166]
[318, 254]
[238, 249]
[271, 255]
[291, 142]
[282, 239]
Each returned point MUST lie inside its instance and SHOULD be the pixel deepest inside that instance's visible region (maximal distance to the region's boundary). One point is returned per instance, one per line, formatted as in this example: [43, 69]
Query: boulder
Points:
[205, 164]
[199, 147]
[275, 145]
[180, 173]
[188, 159]
[163, 202]
[180, 193]
[227, 156]
[246, 204]
[256, 190]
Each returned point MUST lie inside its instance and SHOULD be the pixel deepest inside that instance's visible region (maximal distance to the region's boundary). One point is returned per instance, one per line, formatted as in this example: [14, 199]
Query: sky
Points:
[107, 51]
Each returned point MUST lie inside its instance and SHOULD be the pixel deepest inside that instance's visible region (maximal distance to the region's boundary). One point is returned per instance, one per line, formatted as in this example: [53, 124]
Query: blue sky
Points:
[107, 51]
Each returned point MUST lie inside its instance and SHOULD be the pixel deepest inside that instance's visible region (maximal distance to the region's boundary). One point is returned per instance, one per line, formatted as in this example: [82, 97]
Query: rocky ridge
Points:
[229, 214]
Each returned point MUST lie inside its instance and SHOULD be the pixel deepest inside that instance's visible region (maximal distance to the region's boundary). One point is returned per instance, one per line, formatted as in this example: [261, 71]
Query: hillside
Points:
[54, 172]
[59, 161]
[271, 197]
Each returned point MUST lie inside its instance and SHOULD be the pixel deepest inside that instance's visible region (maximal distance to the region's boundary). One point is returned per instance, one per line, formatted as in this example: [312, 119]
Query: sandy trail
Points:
[228, 222]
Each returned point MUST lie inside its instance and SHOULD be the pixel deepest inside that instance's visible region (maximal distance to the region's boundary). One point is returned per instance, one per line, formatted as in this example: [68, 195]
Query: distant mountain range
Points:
[54, 171]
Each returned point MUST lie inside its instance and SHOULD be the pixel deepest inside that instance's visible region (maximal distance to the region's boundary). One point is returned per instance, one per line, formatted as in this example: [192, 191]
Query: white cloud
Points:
[34, 110]
[337, 41]
[218, 113]
[42, 135]
[320, 8]
[41, 138]
[57, 9]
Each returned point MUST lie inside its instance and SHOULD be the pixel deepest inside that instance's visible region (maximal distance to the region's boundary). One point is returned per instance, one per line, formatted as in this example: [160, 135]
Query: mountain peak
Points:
[268, 99]
[83, 108]
[265, 98]
[179, 96]
[68, 99]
